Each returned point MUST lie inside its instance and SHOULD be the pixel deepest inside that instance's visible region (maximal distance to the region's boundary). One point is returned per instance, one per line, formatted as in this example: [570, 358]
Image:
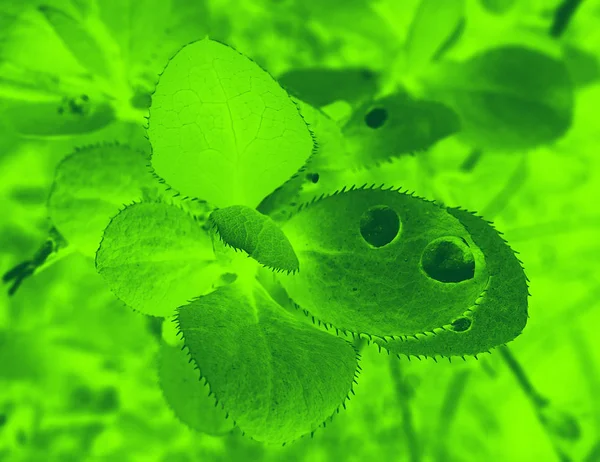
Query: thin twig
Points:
[540, 404]
[515, 182]
[472, 160]
[52, 250]
[594, 454]
[563, 16]
[403, 394]
[454, 393]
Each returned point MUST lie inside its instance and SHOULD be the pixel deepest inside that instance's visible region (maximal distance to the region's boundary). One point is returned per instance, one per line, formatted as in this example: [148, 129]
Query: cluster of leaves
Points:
[236, 171]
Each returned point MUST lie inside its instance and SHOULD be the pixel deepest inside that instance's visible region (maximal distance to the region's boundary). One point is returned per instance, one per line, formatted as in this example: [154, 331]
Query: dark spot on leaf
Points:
[313, 177]
[154, 325]
[3, 420]
[85, 98]
[376, 117]
[379, 225]
[21, 438]
[448, 259]
[367, 74]
[108, 400]
[141, 99]
[561, 423]
[81, 397]
[461, 324]
[228, 278]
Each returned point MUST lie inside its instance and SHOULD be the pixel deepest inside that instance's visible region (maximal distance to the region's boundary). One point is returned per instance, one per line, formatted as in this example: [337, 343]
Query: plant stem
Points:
[453, 396]
[594, 454]
[472, 160]
[519, 373]
[501, 200]
[540, 403]
[52, 250]
[403, 394]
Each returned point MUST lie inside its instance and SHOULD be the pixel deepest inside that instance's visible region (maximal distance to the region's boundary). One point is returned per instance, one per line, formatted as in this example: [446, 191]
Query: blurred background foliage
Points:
[78, 375]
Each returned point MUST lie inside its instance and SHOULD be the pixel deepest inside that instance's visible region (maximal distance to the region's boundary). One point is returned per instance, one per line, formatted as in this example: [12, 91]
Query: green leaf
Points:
[222, 129]
[90, 186]
[77, 40]
[321, 86]
[155, 257]
[73, 115]
[499, 314]
[246, 229]
[508, 98]
[382, 262]
[278, 377]
[187, 396]
[434, 23]
[397, 124]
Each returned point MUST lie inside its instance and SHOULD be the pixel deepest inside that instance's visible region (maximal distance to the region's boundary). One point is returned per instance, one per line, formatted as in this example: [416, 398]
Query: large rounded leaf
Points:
[278, 377]
[383, 263]
[222, 129]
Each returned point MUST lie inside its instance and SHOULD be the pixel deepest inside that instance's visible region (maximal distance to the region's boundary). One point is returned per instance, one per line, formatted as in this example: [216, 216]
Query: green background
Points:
[77, 368]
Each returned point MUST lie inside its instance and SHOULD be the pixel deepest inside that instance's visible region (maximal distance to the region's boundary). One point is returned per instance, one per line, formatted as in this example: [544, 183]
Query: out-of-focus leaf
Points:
[322, 86]
[583, 66]
[74, 115]
[90, 186]
[508, 98]
[279, 378]
[150, 31]
[219, 125]
[77, 39]
[397, 124]
[434, 23]
[20, 358]
[10, 12]
[187, 396]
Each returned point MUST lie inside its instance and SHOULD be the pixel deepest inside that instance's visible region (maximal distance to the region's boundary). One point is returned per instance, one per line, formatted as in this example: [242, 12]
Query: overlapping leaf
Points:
[56, 115]
[508, 98]
[155, 257]
[433, 25]
[322, 86]
[246, 229]
[78, 40]
[394, 125]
